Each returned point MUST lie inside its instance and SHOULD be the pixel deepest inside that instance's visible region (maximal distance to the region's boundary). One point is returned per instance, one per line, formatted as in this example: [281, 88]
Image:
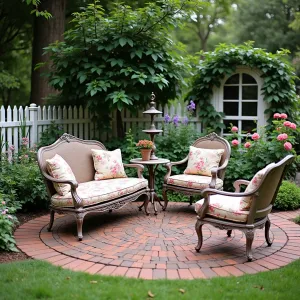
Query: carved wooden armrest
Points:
[209, 192]
[237, 184]
[214, 172]
[170, 165]
[140, 168]
[74, 185]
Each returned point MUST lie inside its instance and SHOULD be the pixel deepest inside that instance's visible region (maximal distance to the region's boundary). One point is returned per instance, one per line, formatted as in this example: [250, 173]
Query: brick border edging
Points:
[29, 240]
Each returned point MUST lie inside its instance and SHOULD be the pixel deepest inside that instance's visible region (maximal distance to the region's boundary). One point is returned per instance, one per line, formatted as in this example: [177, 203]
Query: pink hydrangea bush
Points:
[252, 152]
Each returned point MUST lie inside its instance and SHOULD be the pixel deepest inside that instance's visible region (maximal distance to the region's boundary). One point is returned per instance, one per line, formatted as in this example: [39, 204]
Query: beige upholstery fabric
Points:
[254, 183]
[93, 192]
[201, 161]
[108, 164]
[58, 168]
[224, 207]
[193, 181]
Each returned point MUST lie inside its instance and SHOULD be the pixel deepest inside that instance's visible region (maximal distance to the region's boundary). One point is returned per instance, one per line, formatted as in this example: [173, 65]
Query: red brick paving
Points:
[129, 243]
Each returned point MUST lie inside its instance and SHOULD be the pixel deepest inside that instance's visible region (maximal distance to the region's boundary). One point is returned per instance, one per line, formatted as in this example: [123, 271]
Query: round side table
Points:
[151, 165]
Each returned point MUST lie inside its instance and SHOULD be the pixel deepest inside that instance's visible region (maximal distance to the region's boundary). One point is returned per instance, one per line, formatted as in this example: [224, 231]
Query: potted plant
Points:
[145, 147]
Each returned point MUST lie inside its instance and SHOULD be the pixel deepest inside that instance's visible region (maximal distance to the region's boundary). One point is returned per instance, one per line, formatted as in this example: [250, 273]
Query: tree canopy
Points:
[117, 60]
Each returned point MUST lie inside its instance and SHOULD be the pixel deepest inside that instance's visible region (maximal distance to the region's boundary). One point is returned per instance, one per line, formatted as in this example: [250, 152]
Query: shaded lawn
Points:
[34, 279]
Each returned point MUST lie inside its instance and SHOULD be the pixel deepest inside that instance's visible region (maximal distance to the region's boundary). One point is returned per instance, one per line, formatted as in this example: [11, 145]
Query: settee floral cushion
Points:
[245, 202]
[94, 192]
[193, 181]
[224, 207]
[108, 164]
[58, 168]
[201, 161]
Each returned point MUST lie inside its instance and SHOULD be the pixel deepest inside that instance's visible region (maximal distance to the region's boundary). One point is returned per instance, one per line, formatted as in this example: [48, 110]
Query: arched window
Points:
[240, 101]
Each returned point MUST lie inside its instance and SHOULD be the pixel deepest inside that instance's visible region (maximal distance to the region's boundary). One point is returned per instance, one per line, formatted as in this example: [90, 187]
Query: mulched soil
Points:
[5, 256]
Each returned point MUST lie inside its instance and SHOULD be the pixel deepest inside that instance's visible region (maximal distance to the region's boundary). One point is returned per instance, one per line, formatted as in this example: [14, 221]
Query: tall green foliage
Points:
[116, 61]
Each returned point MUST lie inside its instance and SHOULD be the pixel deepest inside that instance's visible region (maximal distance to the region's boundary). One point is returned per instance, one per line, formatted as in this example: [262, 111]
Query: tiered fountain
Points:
[152, 111]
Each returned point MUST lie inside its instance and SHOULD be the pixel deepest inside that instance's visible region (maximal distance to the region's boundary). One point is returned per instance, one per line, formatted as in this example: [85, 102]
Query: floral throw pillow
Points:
[201, 161]
[245, 202]
[58, 168]
[108, 164]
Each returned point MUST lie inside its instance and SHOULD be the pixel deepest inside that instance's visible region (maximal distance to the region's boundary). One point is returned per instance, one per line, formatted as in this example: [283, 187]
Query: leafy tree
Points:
[268, 24]
[15, 37]
[116, 61]
[206, 17]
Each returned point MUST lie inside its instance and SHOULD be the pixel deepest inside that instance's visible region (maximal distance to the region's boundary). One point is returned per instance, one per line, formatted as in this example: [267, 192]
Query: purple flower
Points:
[185, 120]
[167, 118]
[175, 120]
[191, 106]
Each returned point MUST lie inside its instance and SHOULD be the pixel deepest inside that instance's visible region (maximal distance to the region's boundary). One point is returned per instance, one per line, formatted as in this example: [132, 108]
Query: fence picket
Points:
[15, 129]
[40, 127]
[80, 118]
[3, 131]
[65, 117]
[70, 117]
[9, 129]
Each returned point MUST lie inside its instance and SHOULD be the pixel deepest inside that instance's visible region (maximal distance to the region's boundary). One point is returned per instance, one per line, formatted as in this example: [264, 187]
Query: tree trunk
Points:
[45, 32]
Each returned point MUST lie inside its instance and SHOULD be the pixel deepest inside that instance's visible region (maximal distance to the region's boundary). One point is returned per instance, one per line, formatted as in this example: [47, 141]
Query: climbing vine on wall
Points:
[279, 79]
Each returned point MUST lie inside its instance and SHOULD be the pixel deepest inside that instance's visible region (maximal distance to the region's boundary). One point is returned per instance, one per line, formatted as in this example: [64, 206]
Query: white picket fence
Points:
[74, 120]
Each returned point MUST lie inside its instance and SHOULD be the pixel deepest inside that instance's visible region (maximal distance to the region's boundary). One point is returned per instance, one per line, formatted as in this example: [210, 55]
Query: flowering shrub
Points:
[144, 144]
[21, 179]
[255, 151]
[7, 223]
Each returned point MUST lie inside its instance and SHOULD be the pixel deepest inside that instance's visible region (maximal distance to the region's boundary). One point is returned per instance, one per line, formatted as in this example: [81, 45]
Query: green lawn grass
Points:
[33, 279]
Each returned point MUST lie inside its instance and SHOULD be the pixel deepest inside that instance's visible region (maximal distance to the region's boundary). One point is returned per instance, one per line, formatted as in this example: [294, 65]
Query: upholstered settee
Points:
[86, 195]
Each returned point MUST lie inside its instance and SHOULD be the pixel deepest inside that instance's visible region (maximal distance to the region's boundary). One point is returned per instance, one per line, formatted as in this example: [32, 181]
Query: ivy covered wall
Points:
[278, 76]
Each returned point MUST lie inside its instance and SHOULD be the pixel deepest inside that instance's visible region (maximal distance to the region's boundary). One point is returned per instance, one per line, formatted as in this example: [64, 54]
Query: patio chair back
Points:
[213, 141]
[76, 152]
[268, 189]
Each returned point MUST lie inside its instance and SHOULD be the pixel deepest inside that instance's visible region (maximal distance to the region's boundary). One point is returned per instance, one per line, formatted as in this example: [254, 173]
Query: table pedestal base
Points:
[153, 198]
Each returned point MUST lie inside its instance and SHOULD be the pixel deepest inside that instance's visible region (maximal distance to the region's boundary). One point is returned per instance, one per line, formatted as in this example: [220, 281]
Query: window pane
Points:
[248, 79]
[228, 126]
[249, 109]
[234, 79]
[231, 108]
[249, 92]
[231, 92]
[248, 126]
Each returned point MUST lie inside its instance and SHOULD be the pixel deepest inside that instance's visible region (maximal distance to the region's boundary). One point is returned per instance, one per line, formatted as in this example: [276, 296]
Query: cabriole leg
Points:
[79, 221]
[191, 200]
[52, 212]
[249, 240]
[165, 197]
[198, 228]
[267, 232]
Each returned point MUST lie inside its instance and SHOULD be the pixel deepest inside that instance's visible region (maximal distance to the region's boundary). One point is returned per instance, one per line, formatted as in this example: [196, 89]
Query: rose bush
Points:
[252, 152]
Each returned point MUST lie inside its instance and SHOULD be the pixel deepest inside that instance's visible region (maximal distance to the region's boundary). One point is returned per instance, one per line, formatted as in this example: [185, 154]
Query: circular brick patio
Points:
[129, 243]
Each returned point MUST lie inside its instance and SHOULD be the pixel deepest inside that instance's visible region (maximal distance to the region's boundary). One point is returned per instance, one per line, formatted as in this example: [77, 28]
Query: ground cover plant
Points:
[40, 280]
[21, 189]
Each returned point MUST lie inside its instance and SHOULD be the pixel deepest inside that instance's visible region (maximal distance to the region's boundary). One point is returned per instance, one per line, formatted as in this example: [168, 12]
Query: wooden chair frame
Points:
[77, 153]
[210, 141]
[263, 199]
